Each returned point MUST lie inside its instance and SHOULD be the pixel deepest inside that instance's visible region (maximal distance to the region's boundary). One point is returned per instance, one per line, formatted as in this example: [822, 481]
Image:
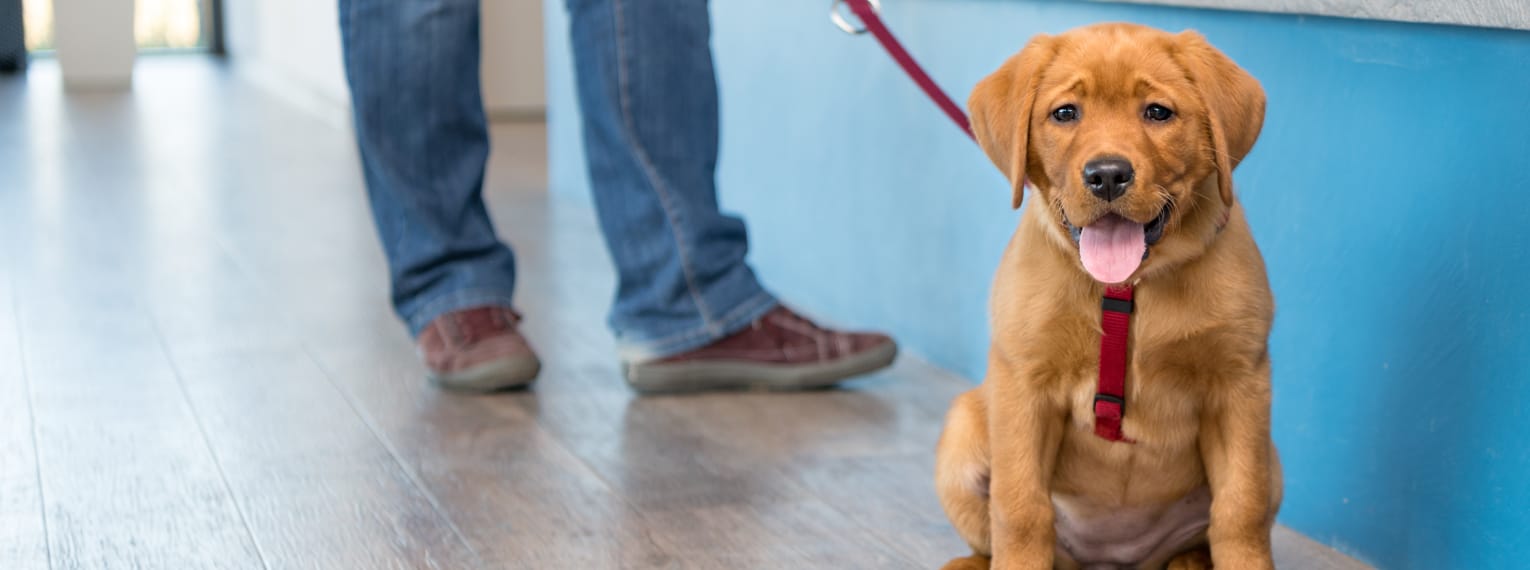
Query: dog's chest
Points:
[1111, 537]
[1165, 382]
[1161, 411]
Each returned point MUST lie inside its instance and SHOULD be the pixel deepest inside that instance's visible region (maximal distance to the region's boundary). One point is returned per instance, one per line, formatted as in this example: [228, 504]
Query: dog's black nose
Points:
[1108, 177]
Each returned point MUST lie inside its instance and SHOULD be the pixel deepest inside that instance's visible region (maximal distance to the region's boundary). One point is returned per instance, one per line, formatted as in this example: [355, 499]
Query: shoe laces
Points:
[783, 335]
[472, 326]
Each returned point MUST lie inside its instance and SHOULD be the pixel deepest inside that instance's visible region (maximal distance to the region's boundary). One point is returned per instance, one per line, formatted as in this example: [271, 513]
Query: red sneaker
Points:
[780, 351]
[478, 349]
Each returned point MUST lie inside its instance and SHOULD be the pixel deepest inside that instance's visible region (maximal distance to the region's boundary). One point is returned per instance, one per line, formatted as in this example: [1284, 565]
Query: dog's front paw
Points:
[974, 562]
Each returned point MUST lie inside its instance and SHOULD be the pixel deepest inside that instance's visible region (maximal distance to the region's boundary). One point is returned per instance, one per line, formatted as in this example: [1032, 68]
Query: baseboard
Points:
[1293, 550]
[325, 107]
[337, 111]
[518, 114]
[97, 84]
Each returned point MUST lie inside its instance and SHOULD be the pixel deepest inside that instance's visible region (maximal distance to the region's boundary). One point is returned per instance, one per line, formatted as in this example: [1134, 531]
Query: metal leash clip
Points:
[842, 20]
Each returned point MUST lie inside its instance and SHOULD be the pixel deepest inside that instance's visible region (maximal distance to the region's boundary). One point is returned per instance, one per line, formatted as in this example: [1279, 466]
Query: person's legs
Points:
[420, 125]
[689, 313]
[413, 72]
[648, 98]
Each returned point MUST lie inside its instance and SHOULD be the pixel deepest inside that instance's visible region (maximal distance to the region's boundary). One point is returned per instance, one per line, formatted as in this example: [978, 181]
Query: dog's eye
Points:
[1065, 114]
[1156, 112]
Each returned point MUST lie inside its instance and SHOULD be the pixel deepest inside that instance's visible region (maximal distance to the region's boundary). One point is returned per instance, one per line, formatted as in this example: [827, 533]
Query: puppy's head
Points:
[1129, 135]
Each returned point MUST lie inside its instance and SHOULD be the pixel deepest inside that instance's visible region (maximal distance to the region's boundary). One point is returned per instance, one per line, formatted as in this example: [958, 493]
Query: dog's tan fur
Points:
[1198, 383]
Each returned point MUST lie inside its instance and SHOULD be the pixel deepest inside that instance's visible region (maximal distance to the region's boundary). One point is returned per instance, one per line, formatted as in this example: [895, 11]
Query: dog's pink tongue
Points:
[1112, 248]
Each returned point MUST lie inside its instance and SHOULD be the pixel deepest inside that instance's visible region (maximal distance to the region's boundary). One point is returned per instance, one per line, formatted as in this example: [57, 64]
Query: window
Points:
[157, 24]
[170, 24]
[37, 21]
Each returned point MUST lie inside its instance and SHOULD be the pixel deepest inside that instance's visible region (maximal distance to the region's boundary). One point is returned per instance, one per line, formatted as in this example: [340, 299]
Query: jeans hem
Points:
[650, 170]
[420, 318]
[750, 310]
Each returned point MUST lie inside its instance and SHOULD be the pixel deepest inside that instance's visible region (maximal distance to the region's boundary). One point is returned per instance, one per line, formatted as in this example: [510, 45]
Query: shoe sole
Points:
[699, 376]
[493, 376]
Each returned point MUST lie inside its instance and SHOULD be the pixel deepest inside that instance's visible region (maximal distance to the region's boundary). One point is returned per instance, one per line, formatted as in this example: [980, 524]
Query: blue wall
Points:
[1388, 193]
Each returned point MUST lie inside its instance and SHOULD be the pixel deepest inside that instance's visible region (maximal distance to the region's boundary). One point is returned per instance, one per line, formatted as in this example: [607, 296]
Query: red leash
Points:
[1116, 307]
[868, 15]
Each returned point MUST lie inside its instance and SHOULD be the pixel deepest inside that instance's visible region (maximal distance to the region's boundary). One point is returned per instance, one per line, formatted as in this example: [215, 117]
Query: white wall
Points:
[292, 47]
[514, 81]
[1513, 14]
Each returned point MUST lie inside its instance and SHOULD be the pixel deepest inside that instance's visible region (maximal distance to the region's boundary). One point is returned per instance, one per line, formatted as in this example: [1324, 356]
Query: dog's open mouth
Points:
[1113, 247]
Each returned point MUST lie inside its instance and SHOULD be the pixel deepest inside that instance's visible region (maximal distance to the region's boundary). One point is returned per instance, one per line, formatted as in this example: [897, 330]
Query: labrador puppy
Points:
[1129, 137]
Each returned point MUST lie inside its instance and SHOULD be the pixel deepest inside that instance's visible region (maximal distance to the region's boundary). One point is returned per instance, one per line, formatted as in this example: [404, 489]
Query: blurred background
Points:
[157, 24]
[1386, 194]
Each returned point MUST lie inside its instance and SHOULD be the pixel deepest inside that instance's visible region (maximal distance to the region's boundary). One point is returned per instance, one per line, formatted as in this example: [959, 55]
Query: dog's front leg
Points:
[1235, 445]
[1025, 430]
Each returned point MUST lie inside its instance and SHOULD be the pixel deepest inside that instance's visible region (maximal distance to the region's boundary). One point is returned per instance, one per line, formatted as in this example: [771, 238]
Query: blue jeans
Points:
[648, 97]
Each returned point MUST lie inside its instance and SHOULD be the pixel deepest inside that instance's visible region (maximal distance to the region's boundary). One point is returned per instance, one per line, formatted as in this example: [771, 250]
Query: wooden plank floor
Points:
[198, 369]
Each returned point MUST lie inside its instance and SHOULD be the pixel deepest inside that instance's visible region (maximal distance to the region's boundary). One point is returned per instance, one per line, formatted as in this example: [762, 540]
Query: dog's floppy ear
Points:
[1001, 105]
[1234, 104]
